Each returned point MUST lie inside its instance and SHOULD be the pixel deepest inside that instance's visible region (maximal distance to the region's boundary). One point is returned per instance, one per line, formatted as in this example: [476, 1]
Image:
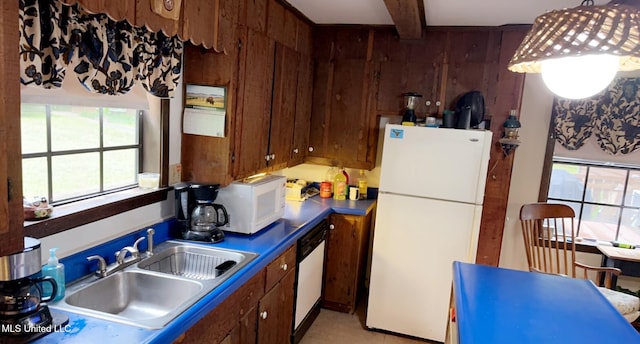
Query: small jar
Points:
[325, 190]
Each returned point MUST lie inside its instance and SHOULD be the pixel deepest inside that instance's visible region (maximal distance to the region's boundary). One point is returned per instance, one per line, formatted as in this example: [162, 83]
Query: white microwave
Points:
[253, 203]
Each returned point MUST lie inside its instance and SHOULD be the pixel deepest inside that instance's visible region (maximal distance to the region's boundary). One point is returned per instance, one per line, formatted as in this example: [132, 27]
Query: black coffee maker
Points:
[23, 309]
[197, 216]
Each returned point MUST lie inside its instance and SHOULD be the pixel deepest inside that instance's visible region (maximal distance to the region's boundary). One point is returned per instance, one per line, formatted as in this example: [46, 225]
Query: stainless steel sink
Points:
[199, 263]
[130, 295]
[157, 289]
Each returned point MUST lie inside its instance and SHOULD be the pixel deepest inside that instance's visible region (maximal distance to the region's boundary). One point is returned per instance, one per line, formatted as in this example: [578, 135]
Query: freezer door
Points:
[415, 243]
[448, 164]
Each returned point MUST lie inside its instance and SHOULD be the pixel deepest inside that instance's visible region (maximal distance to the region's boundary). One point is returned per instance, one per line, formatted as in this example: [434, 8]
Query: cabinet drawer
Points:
[279, 267]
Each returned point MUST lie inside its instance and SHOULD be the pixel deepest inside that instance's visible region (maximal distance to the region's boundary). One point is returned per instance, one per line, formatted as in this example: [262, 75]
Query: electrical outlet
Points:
[175, 174]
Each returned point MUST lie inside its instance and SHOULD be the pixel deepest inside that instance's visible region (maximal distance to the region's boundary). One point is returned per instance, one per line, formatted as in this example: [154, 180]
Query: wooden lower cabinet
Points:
[216, 325]
[260, 311]
[346, 260]
[245, 330]
[276, 312]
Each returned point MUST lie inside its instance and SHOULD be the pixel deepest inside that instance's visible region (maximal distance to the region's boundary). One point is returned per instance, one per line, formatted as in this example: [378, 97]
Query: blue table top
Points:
[495, 305]
[270, 242]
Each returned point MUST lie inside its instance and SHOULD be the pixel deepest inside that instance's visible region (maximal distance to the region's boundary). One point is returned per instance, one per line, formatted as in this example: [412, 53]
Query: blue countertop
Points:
[495, 305]
[270, 242]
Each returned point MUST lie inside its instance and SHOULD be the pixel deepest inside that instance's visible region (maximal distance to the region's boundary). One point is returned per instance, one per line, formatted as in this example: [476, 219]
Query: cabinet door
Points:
[275, 312]
[472, 64]
[283, 106]
[205, 158]
[245, 332]
[231, 319]
[252, 122]
[403, 67]
[11, 216]
[302, 121]
[342, 98]
[347, 252]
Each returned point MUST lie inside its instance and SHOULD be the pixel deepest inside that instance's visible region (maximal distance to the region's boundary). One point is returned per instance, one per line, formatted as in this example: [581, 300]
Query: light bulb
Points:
[579, 77]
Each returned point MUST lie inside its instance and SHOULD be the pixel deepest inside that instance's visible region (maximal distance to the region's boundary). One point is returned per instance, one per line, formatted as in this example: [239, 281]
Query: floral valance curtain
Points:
[107, 56]
[612, 117]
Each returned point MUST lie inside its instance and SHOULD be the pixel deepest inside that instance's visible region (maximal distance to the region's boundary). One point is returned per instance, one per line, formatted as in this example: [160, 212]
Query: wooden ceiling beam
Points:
[408, 17]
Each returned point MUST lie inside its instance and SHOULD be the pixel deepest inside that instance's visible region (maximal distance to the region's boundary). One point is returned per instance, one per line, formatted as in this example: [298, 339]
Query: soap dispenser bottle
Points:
[55, 269]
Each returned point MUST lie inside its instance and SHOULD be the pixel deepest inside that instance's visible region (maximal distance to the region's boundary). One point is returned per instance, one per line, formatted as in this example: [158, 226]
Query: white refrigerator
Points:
[428, 215]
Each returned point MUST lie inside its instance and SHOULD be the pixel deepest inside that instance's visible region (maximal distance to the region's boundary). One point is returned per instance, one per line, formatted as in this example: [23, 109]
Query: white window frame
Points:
[49, 154]
[583, 200]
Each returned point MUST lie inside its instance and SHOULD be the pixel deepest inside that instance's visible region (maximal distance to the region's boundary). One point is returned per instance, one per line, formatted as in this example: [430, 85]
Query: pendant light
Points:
[579, 50]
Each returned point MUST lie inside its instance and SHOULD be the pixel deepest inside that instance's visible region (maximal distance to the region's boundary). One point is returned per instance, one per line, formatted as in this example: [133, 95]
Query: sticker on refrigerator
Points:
[396, 133]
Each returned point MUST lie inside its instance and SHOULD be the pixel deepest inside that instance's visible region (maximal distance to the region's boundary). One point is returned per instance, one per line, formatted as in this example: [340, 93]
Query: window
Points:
[604, 196]
[73, 152]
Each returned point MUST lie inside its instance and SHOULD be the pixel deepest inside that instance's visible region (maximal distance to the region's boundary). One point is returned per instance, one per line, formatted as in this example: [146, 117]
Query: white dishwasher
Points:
[309, 276]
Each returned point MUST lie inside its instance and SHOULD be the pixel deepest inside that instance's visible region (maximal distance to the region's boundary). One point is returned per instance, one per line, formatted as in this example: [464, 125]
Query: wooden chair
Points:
[549, 240]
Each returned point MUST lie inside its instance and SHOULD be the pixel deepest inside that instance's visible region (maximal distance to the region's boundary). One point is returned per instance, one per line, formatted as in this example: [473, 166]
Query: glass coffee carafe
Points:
[207, 216]
[198, 215]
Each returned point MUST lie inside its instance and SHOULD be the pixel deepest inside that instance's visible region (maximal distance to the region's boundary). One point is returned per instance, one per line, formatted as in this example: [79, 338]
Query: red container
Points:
[325, 189]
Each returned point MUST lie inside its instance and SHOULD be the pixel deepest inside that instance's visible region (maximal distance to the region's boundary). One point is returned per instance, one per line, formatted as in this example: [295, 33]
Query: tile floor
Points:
[341, 328]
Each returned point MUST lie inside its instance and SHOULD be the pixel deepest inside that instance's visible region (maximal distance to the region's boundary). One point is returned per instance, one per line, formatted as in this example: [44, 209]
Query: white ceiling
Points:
[438, 12]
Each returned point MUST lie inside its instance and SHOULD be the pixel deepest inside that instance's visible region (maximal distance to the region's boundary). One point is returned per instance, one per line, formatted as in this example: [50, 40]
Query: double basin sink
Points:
[157, 289]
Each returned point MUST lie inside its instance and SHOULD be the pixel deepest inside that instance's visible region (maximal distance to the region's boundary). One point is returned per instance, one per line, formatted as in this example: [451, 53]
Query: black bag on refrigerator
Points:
[470, 110]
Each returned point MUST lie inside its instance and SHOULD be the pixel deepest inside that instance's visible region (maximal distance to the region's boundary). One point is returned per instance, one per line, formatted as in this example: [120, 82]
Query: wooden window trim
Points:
[76, 214]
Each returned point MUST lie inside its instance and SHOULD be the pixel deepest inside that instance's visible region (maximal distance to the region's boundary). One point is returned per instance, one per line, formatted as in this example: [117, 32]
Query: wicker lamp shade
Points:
[612, 29]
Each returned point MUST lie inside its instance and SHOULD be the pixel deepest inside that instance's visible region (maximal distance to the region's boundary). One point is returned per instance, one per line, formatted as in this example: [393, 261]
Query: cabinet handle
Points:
[427, 103]
[267, 157]
[284, 266]
[332, 226]
[273, 156]
[437, 103]
[263, 315]
[310, 149]
[295, 150]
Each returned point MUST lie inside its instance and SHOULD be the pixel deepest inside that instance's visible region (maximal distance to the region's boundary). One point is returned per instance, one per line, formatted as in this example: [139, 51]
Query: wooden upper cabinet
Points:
[403, 66]
[283, 106]
[267, 110]
[205, 158]
[302, 121]
[254, 101]
[344, 127]
[11, 214]
[116, 9]
[472, 64]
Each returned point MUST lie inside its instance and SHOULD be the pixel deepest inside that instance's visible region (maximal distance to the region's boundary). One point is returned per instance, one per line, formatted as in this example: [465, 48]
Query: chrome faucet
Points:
[133, 250]
[122, 261]
[120, 255]
[102, 266]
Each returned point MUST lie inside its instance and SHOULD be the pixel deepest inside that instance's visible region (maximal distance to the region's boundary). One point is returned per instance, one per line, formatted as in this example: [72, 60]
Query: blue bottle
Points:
[54, 269]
